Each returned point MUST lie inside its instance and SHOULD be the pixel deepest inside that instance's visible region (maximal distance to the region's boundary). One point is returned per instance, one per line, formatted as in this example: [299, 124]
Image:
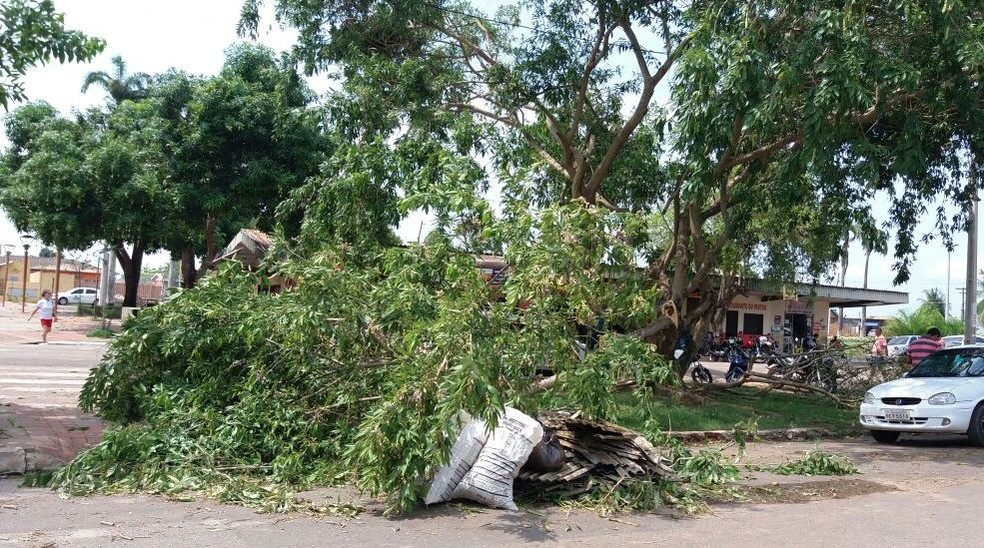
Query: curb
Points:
[787, 434]
[13, 460]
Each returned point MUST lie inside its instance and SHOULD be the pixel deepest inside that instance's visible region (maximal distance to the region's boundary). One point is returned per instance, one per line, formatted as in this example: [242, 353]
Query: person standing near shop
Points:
[45, 310]
[880, 348]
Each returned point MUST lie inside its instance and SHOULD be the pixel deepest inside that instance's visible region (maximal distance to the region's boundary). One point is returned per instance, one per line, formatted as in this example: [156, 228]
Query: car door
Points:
[89, 297]
[76, 296]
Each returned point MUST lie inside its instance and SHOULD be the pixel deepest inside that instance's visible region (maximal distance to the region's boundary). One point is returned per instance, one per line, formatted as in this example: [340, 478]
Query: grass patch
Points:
[720, 411]
[818, 463]
[37, 478]
[101, 333]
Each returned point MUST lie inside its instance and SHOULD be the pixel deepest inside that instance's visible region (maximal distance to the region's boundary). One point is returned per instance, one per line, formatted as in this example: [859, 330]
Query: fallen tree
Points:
[357, 373]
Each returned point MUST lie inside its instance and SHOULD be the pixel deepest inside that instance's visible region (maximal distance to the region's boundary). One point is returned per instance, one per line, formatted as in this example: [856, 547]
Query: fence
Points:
[147, 292]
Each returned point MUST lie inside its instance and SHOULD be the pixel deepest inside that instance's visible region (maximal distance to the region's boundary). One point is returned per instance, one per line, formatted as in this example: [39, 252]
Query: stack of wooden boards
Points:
[597, 452]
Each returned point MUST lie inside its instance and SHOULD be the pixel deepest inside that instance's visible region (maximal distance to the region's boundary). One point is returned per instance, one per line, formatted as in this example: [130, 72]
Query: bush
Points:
[101, 332]
[916, 323]
[112, 312]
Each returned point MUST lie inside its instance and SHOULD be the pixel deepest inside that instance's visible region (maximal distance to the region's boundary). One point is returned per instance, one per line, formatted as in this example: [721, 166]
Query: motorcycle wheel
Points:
[701, 375]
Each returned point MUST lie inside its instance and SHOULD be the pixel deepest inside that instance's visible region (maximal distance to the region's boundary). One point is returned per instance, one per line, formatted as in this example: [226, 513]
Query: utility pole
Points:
[947, 315]
[963, 301]
[970, 313]
[58, 258]
[24, 274]
[111, 280]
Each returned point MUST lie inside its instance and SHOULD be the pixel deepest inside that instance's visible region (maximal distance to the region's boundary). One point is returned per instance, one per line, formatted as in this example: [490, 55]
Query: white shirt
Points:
[46, 309]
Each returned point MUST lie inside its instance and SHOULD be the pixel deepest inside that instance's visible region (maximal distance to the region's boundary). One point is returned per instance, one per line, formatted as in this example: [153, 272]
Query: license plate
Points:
[895, 415]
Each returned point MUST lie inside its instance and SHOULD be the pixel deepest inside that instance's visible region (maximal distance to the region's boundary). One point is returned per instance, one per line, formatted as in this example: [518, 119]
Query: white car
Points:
[957, 340]
[78, 295]
[944, 393]
[898, 345]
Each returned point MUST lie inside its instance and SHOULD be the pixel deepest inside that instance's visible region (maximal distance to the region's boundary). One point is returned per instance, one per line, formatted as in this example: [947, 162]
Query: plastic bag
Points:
[464, 453]
[490, 480]
[547, 456]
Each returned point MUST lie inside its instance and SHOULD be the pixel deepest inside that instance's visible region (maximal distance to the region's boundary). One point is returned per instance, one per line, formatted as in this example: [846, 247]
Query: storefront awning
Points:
[846, 297]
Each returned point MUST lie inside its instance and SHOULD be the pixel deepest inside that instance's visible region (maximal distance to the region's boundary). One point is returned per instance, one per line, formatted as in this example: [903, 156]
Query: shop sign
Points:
[759, 307]
[799, 307]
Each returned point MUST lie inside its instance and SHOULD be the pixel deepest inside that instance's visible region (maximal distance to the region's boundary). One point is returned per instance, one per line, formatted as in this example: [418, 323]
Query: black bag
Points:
[547, 456]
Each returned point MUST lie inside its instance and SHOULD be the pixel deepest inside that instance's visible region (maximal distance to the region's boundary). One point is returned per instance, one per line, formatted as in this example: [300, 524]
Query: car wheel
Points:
[976, 430]
[885, 436]
[62, 300]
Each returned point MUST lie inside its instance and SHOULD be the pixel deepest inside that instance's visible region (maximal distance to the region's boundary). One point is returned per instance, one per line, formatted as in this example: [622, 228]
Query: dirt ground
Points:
[923, 490]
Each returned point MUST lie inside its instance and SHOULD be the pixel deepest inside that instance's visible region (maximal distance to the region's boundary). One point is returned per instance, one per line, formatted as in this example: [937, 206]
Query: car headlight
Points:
[869, 397]
[943, 398]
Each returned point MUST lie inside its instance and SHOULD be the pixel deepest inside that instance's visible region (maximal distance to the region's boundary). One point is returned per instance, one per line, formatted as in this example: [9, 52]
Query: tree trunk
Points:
[132, 263]
[189, 274]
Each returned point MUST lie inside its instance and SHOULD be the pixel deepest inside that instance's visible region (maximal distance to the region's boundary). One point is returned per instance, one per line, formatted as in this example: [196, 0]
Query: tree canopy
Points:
[235, 144]
[32, 33]
[742, 139]
[182, 169]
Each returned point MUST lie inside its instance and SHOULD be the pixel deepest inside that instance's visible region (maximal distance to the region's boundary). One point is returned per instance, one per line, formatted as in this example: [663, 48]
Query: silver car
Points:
[958, 340]
[899, 344]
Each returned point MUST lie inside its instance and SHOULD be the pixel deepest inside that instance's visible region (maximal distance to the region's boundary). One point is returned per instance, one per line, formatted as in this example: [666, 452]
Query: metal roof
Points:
[837, 296]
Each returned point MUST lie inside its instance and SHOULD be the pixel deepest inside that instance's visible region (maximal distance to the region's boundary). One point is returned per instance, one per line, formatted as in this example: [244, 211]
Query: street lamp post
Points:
[6, 272]
[26, 240]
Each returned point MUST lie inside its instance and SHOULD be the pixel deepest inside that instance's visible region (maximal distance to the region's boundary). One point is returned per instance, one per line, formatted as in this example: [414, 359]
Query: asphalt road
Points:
[930, 493]
[924, 491]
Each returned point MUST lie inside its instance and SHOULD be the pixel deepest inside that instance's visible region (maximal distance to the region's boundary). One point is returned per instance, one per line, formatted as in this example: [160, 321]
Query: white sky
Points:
[192, 35]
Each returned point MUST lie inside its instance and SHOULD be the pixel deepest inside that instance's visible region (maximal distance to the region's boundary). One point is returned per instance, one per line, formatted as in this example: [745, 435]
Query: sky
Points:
[192, 35]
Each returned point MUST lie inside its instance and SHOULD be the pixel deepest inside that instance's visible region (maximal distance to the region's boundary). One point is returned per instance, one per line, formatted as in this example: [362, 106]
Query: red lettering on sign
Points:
[749, 306]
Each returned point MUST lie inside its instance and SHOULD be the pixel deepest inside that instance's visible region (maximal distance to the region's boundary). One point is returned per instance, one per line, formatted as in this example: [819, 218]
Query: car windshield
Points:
[965, 362]
[899, 340]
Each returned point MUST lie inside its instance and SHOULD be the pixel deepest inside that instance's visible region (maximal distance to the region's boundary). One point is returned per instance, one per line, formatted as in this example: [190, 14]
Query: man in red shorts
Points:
[924, 346]
[46, 311]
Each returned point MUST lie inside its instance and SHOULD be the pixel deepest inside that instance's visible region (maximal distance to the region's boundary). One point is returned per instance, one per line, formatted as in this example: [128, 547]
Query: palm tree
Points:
[119, 85]
[933, 300]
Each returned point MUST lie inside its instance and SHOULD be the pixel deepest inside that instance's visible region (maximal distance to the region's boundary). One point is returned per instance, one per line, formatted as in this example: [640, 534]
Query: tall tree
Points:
[785, 120]
[93, 178]
[32, 33]
[119, 85]
[236, 144]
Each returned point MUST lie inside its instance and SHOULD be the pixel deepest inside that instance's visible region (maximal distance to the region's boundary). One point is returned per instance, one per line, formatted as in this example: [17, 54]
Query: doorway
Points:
[731, 324]
[754, 323]
[799, 324]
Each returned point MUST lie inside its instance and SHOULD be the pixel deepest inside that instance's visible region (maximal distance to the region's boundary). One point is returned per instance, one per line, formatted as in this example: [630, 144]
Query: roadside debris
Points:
[597, 450]
[562, 452]
[489, 478]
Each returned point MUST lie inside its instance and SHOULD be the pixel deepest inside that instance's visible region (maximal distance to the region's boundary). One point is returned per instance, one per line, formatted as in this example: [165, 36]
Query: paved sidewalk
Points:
[70, 327]
[41, 426]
